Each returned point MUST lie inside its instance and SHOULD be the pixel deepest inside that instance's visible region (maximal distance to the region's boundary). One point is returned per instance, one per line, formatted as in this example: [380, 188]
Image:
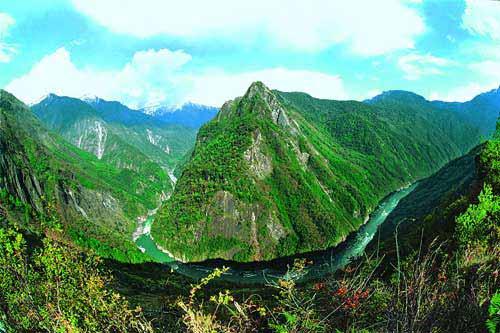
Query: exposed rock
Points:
[254, 238]
[260, 164]
[303, 157]
[272, 106]
[91, 136]
[276, 230]
[226, 218]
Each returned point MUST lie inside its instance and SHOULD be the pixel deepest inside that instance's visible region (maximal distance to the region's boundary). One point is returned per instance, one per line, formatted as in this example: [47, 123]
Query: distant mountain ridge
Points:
[481, 111]
[48, 184]
[121, 136]
[188, 114]
[272, 174]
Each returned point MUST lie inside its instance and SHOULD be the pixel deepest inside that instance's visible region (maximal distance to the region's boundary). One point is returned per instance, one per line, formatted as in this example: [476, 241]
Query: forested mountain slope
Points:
[48, 184]
[281, 173]
[482, 110]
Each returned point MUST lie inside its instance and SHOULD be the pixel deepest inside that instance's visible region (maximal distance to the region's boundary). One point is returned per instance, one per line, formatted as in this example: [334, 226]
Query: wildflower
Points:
[341, 292]
[319, 286]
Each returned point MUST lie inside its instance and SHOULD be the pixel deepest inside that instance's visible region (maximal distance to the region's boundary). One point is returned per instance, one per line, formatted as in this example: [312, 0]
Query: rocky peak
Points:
[46, 99]
[92, 99]
[260, 99]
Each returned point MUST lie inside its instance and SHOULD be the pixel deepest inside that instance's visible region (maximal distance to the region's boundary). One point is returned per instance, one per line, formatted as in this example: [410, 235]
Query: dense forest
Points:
[269, 166]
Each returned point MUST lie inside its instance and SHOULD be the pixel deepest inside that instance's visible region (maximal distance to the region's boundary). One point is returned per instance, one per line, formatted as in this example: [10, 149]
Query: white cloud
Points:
[215, 87]
[488, 69]
[368, 27]
[482, 17]
[416, 65]
[372, 93]
[6, 50]
[463, 93]
[153, 77]
[147, 78]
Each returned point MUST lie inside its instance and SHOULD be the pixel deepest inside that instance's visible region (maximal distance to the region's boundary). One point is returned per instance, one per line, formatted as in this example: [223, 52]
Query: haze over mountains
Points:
[250, 166]
[123, 137]
[188, 114]
[274, 174]
[47, 183]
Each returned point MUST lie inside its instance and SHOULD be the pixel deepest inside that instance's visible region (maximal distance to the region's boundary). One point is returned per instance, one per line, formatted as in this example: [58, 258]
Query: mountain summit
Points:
[276, 173]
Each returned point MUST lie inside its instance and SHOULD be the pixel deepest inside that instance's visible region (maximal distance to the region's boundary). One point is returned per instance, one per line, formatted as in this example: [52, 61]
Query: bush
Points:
[58, 289]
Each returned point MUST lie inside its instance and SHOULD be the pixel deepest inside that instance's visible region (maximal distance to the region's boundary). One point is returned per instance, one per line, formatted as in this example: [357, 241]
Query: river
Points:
[323, 262]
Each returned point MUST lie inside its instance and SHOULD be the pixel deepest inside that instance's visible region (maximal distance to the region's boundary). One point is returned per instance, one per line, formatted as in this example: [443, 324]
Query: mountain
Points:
[118, 135]
[431, 212]
[48, 184]
[189, 114]
[167, 143]
[115, 112]
[276, 173]
[456, 179]
[482, 111]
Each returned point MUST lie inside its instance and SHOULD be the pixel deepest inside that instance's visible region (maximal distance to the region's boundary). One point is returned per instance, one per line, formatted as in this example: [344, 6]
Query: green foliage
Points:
[294, 310]
[493, 322]
[490, 161]
[429, 291]
[480, 223]
[58, 289]
[43, 178]
[438, 287]
[129, 139]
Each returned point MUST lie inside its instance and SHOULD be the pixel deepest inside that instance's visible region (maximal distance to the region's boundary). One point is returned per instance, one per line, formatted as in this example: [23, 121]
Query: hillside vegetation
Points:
[47, 184]
[443, 280]
[448, 284]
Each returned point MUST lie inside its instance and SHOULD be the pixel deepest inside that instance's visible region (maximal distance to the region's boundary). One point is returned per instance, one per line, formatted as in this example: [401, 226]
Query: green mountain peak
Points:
[276, 174]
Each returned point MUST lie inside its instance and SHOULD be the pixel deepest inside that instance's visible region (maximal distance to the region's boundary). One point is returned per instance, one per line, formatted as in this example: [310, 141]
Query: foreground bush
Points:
[57, 289]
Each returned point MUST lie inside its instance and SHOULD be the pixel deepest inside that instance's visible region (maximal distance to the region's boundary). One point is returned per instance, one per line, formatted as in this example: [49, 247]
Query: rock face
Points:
[275, 174]
[268, 105]
[258, 162]
[91, 136]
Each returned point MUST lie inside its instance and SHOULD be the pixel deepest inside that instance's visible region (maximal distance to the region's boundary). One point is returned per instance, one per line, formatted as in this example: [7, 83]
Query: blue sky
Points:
[152, 52]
